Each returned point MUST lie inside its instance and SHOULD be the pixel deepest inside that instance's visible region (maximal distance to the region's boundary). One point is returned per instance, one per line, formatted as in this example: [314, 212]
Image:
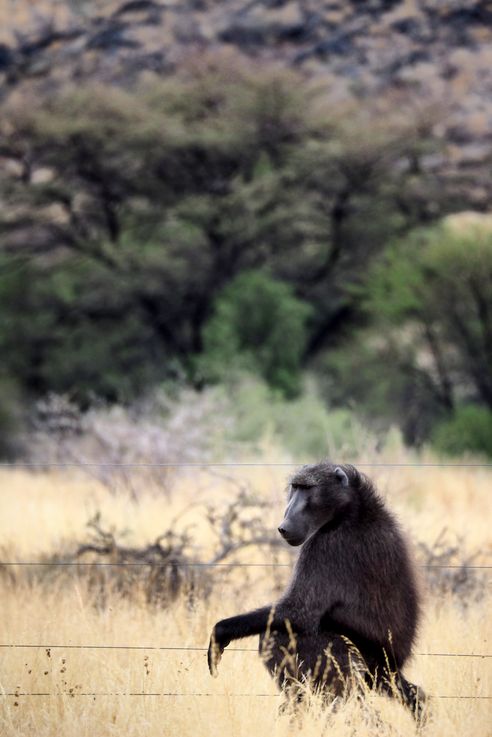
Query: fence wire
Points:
[185, 564]
[231, 464]
[192, 648]
[95, 694]
[130, 693]
[180, 464]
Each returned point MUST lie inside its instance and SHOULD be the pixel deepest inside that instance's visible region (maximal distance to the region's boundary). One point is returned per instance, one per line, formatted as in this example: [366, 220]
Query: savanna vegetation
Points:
[217, 266]
[224, 516]
[211, 270]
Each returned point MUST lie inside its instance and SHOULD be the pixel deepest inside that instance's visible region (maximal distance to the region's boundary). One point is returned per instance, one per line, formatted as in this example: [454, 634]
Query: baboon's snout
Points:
[282, 529]
[286, 527]
[294, 526]
[290, 533]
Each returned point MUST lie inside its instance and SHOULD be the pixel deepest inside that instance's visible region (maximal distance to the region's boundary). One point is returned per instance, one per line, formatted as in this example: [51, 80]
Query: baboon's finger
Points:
[213, 657]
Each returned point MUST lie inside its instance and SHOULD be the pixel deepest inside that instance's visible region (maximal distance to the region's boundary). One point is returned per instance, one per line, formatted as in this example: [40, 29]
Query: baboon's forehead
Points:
[312, 474]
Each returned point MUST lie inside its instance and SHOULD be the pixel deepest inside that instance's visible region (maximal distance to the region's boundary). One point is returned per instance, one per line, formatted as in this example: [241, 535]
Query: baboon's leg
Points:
[412, 696]
[293, 698]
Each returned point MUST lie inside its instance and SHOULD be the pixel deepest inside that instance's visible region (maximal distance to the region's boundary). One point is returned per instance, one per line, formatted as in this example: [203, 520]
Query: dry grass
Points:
[41, 512]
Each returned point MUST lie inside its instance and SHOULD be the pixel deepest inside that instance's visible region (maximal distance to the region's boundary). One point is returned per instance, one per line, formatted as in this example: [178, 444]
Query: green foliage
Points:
[439, 285]
[258, 326]
[429, 300]
[10, 420]
[74, 340]
[469, 430]
[379, 381]
[305, 427]
[431, 269]
[136, 208]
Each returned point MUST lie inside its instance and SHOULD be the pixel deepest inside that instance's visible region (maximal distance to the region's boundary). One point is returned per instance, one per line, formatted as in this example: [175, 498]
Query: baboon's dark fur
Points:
[352, 603]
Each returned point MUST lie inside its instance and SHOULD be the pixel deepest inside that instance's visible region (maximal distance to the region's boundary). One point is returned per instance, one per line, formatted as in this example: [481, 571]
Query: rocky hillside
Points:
[432, 52]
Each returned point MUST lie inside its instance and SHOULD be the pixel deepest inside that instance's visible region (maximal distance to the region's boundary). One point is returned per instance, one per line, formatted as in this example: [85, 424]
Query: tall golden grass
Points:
[44, 513]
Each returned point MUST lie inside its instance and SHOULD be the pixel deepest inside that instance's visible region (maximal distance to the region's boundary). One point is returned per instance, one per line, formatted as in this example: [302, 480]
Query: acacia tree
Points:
[428, 350]
[126, 212]
[438, 290]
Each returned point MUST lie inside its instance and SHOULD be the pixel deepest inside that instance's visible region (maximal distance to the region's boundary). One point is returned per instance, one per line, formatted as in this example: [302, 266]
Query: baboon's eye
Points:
[302, 486]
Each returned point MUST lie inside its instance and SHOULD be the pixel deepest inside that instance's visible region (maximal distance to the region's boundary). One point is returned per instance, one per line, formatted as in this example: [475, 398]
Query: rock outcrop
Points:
[430, 51]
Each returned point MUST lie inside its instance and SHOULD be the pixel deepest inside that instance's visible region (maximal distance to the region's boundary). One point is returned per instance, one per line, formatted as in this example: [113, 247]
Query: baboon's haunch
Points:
[352, 604]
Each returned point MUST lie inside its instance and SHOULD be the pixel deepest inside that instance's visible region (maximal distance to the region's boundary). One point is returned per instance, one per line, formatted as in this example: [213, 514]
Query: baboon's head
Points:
[316, 495]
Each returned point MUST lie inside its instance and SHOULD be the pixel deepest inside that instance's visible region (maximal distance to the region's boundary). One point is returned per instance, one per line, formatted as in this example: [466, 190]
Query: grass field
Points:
[45, 513]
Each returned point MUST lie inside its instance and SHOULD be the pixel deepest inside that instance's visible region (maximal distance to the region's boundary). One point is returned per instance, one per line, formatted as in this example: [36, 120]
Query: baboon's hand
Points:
[217, 645]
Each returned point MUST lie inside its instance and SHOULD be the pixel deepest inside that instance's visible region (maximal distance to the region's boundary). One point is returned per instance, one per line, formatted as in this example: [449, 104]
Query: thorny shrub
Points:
[173, 564]
[449, 571]
[129, 448]
[168, 567]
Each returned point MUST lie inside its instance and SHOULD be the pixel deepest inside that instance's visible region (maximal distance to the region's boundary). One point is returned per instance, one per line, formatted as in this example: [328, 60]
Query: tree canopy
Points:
[224, 217]
[429, 302]
[127, 212]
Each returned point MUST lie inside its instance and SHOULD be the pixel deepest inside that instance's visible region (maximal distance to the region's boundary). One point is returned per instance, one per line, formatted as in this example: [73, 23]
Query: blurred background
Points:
[226, 225]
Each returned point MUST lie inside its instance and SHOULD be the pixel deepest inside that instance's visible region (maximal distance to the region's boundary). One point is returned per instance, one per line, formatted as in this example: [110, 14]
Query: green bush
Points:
[304, 427]
[438, 285]
[469, 430]
[10, 418]
[258, 326]
[73, 339]
[427, 341]
[378, 378]
[140, 205]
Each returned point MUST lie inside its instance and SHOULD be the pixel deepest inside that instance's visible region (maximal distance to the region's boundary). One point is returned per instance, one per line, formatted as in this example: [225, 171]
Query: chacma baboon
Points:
[352, 604]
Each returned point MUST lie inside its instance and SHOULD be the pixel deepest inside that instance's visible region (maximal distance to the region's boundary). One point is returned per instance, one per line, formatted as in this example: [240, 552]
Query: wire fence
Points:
[230, 464]
[95, 694]
[71, 693]
[191, 648]
[187, 564]
[133, 693]
[179, 464]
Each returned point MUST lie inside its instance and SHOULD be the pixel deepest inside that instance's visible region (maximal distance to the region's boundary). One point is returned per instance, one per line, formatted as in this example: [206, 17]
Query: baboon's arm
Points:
[233, 628]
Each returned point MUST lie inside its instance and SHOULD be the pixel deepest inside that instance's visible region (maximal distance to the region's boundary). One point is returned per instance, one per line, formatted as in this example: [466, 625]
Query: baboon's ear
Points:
[341, 476]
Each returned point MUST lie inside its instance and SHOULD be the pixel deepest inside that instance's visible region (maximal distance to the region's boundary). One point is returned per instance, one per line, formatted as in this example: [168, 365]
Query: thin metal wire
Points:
[131, 693]
[211, 464]
[94, 694]
[157, 564]
[191, 648]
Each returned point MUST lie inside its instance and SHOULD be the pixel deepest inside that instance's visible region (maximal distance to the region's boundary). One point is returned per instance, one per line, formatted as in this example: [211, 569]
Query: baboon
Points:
[352, 604]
